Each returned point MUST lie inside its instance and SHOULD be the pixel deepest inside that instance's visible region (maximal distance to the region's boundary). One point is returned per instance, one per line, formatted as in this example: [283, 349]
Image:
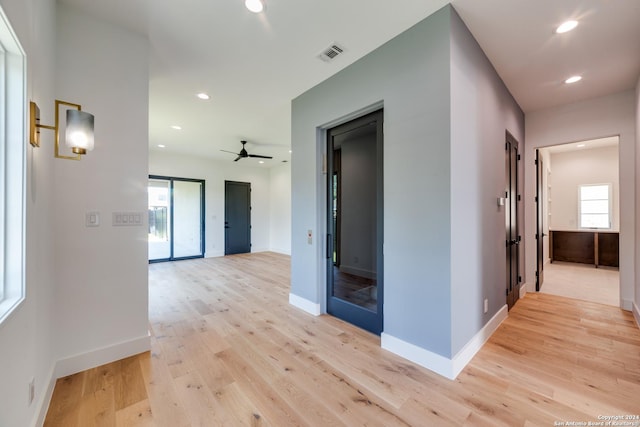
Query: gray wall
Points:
[481, 110]
[410, 74]
[445, 115]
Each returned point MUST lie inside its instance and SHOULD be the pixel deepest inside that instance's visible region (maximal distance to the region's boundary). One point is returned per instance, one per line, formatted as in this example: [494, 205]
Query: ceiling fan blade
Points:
[260, 157]
[237, 158]
[232, 152]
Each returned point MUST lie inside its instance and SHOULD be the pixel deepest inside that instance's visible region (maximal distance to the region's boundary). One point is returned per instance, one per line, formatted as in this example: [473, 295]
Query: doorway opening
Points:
[176, 218]
[355, 222]
[578, 201]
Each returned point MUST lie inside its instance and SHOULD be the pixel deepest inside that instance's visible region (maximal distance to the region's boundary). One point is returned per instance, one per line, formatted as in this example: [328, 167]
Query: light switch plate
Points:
[127, 219]
[92, 219]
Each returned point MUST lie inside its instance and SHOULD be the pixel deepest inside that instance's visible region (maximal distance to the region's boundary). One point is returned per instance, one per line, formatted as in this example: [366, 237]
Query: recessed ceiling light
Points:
[161, 145]
[176, 127]
[261, 162]
[566, 26]
[573, 79]
[290, 151]
[203, 95]
[255, 6]
[580, 145]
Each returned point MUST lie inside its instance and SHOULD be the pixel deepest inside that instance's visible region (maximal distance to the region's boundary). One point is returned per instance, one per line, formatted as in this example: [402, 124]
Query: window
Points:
[595, 206]
[12, 160]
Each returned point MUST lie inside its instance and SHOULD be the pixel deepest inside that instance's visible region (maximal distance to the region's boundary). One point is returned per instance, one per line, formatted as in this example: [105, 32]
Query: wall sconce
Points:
[78, 129]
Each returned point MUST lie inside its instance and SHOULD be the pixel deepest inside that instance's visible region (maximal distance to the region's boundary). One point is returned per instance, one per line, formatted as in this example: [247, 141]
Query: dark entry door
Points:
[511, 220]
[539, 222]
[237, 217]
[354, 239]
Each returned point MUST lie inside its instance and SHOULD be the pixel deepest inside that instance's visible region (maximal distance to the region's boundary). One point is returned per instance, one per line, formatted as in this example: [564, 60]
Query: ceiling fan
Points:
[244, 154]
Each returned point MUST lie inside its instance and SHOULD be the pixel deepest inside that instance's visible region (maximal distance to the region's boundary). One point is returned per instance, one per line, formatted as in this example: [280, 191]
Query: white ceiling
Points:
[591, 144]
[253, 65]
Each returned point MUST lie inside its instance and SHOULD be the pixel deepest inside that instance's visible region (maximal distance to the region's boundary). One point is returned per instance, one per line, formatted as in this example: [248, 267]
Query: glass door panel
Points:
[176, 218]
[354, 258]
[159, 219]
[187, 219]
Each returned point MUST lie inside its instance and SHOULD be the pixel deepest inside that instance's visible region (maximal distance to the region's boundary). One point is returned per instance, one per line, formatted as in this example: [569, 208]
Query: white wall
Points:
[101, 272]
[215, 173]
[280, 214]
[596, 118]
[27, 336]
[569, 170]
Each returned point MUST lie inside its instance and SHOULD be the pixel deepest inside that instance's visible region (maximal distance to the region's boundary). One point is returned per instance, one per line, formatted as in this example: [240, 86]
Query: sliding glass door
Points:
[176, 218]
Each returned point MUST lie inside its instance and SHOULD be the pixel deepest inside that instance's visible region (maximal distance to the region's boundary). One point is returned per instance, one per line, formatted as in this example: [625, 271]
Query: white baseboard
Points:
[304, 304]
[281, 251]
[449, 368]
[626, 304]
[636, 313]
[523, 290]
[101, 356]
[44, 400]
[470, 349]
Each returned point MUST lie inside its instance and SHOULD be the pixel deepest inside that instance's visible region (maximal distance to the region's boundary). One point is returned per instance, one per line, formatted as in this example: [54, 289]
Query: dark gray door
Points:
[354, 238]
[511, 220]
[539, 222]
[237, 217]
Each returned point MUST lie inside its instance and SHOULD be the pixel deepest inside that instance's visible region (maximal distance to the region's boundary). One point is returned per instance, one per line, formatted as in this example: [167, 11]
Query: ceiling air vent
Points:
[331, 52]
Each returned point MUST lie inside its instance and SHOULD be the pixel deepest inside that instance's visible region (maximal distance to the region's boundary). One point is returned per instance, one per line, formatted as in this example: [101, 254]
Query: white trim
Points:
[45, 400]
[523, 290]
[474, 345]
[626, 304]
[304, 304]
[449, 368]
[636, 313]
[101, 356]
[281, 251]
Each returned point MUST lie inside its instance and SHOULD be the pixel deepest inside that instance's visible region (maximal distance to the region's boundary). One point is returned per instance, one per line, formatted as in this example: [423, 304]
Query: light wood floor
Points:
[582, 281]
[228, 349]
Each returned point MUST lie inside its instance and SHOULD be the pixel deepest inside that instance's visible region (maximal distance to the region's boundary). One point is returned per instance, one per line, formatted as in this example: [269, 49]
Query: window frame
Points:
[609, 206]
[13, 141]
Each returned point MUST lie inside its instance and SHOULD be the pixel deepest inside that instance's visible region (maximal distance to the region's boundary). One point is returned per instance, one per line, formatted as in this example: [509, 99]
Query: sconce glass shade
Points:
[79, 133]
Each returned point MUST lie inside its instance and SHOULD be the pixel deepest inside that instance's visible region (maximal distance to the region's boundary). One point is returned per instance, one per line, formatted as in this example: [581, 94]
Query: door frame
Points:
[540, 235]
[171, 180]
[513, 237]
[352, 313]
[248, 185]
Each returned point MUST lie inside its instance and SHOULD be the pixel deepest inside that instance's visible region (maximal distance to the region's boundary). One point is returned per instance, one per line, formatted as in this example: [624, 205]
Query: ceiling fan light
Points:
[255, 6]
